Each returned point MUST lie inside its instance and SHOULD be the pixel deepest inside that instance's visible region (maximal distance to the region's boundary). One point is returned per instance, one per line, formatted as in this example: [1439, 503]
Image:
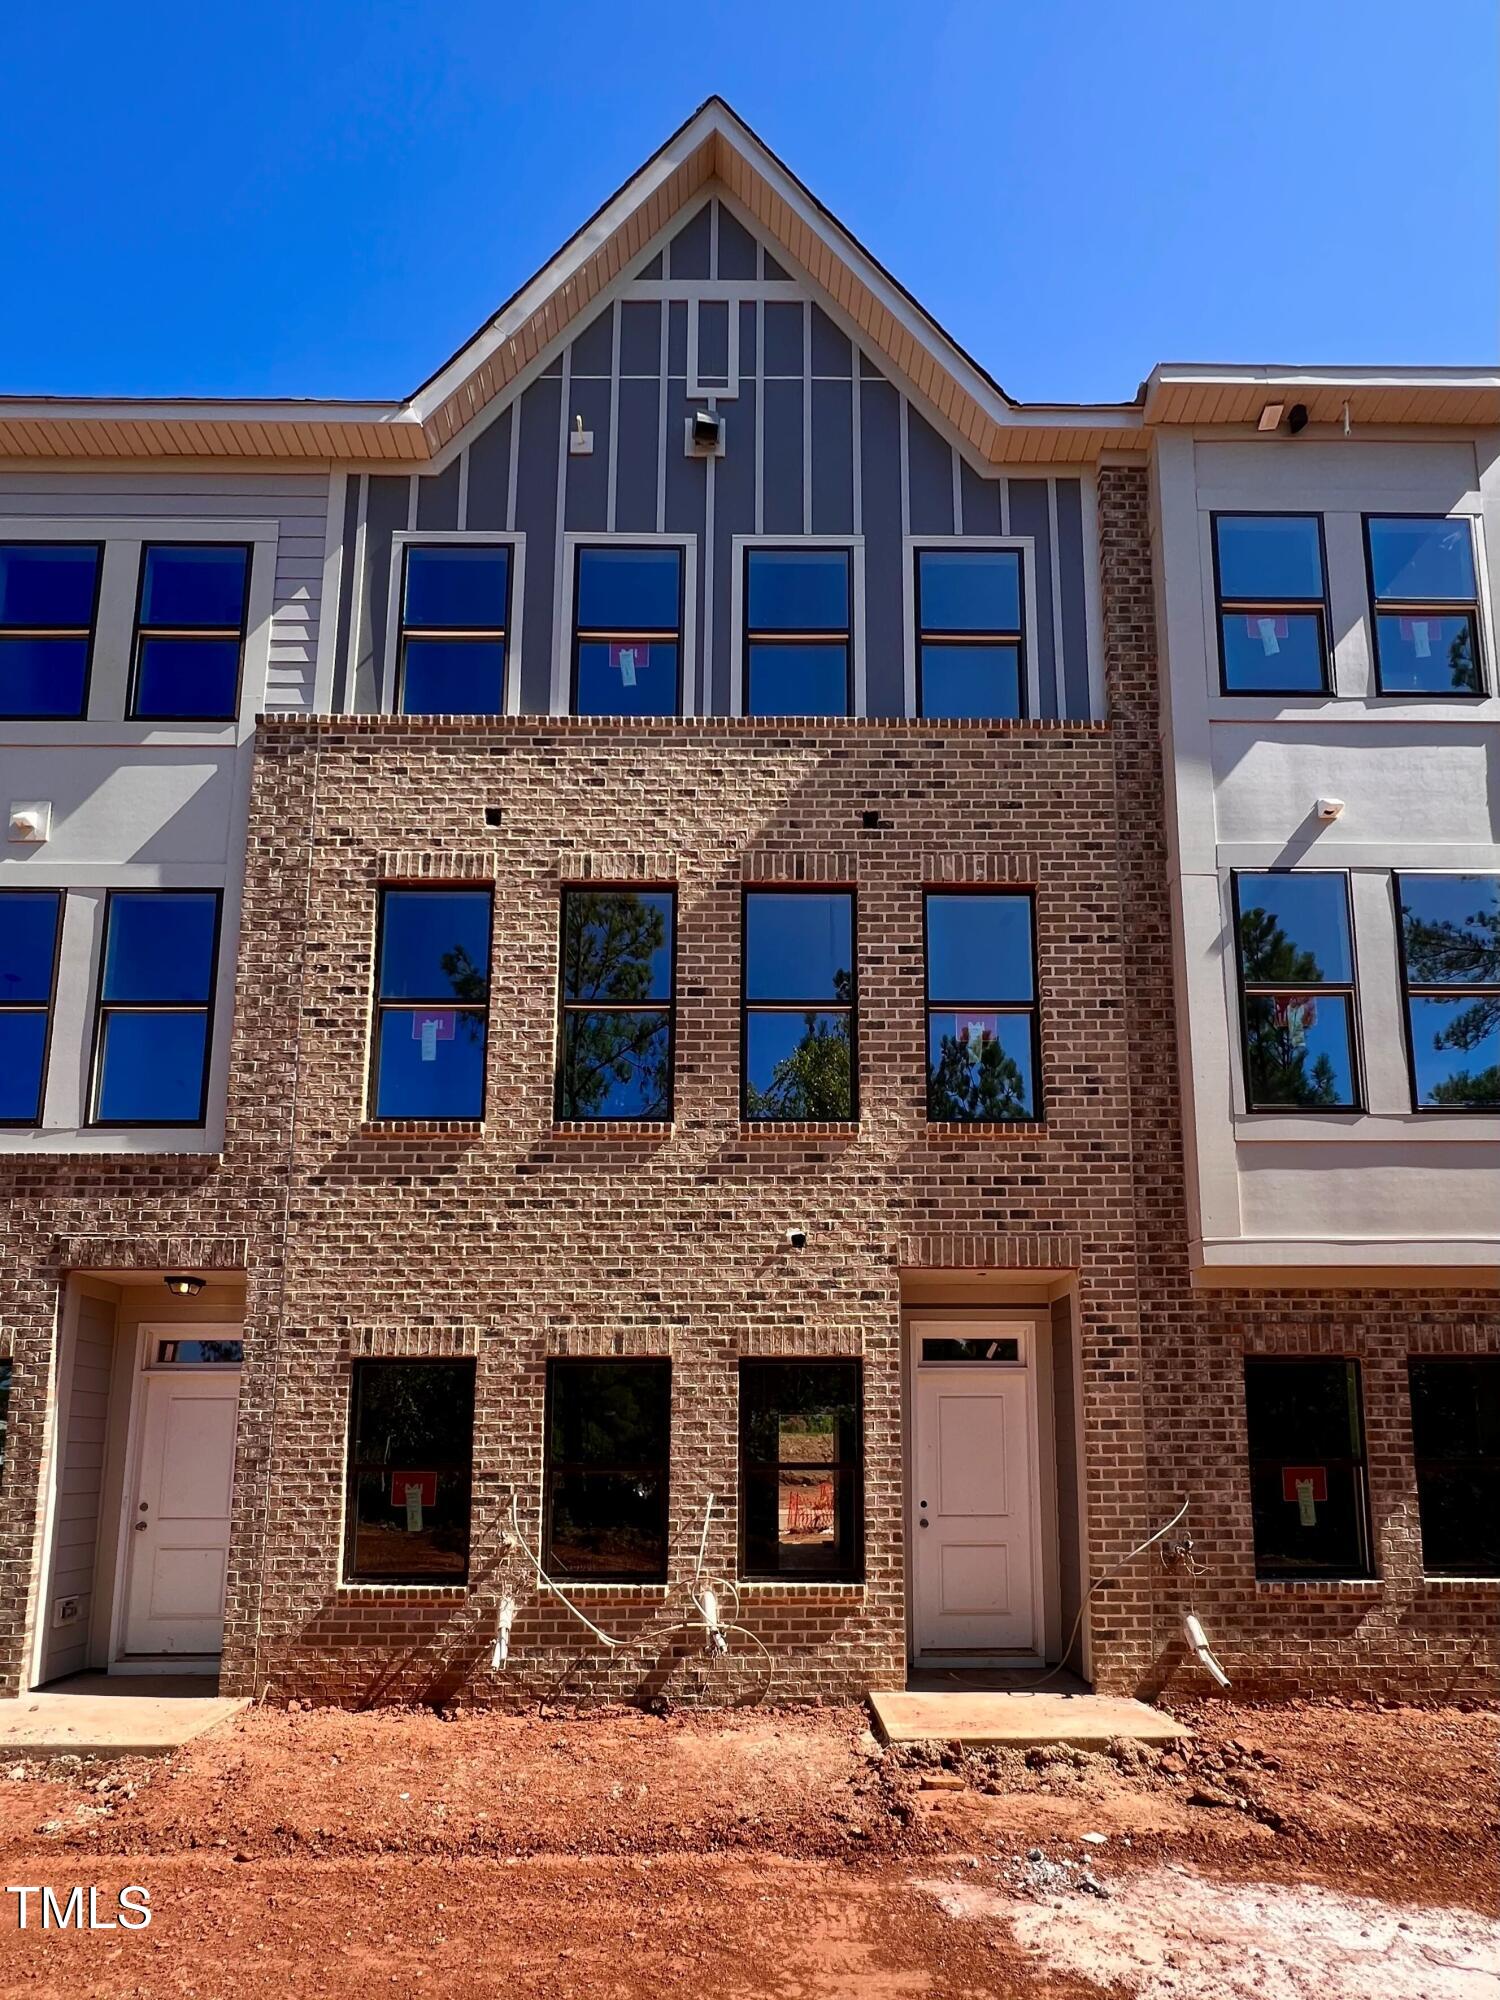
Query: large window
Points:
[1425, 600]
[627, 631]
[155, 1006]
[983, 1057]
[615, 1053]
[1272, 603]
[798, 629]
[801, 1470]
[1305, 1430]
[1296, 963]
[29, 924]
[608, 1438]
[411, 1450]
[431, 1003]
[799, 1021]
[455, 612]
[1450, 971]
[970, 655]
[49, 601]
[1455, 1434]
[190, 631]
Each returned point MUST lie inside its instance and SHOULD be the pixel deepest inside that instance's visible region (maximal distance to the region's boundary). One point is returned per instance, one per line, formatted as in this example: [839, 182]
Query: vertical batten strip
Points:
[463, 487]
[661, 429]
[856, 448]
[614, 416]
[1059, 665]
[559, 683]
[807, 416]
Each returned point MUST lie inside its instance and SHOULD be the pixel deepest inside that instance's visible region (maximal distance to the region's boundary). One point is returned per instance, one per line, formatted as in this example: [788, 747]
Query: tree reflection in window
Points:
[1450, 956]
[432, 992]
[800, 997]
[1297, 990]
[616, 1042]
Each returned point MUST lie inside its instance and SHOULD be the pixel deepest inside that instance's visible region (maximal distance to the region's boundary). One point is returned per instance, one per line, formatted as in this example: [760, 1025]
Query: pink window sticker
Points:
[430, 1028]
[1297, 1014]
[629, 660]
[980, 1028]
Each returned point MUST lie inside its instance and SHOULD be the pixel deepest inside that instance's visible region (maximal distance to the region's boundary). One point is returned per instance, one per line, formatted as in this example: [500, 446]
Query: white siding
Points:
[297, 501]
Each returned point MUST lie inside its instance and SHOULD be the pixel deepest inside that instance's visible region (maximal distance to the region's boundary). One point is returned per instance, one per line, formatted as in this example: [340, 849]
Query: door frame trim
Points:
[1044, 1592]
[119, 1661]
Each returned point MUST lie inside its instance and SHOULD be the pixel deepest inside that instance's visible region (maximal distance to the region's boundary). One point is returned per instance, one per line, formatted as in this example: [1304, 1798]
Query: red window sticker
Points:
[1293, 1476]
[403, 1484]
[628, 661]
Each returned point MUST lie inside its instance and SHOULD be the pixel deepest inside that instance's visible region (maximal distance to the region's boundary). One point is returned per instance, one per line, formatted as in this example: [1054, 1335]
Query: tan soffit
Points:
[1183, 393]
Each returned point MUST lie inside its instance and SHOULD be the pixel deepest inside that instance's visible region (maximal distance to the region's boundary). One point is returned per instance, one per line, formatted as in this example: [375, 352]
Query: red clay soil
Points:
[767, 1853]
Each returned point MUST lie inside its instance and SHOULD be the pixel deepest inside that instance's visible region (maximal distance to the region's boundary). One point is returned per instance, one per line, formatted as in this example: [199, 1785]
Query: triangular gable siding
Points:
[817, 441]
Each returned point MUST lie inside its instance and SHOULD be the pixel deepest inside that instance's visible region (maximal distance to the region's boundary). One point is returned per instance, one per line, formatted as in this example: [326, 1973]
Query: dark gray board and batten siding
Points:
[816, 440]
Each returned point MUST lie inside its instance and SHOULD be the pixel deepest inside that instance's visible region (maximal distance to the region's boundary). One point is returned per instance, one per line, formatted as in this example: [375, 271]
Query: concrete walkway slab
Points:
[1087, 1721]
[113, 1715]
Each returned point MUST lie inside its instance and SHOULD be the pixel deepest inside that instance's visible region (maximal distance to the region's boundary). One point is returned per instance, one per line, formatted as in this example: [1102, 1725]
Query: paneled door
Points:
[974, 1506]
[177, 1544]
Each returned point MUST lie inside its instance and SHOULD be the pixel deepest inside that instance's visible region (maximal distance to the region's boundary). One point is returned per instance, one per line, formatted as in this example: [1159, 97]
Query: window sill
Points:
[602, 1587]
[799, 1128]
[422, 1128]
[402, 1593]
[986, 1128]
[1447, 1586]
[611, 1128]
[1321, 1586]
[800, 1590]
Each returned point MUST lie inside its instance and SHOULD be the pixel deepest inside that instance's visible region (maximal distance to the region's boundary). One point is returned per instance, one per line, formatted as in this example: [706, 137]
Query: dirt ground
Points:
[1336, 1850]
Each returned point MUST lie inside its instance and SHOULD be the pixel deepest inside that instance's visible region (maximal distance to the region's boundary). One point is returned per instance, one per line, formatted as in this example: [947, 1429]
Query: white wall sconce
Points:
[1330, 809]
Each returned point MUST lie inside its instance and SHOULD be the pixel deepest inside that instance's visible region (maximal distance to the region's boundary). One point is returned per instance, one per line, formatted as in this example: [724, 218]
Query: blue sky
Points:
[326, 199]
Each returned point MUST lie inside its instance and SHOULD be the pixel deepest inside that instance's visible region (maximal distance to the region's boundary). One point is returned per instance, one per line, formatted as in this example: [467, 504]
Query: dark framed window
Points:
[616, 985]
[971, 652]
[800, 1053]
[411, 1457]
[627, 630]
[1271, 594]
[1297, 989]
[190, 618]
[155, 1014]
[1305, 1427]
[1424, 602]
[609, 1426]
[1450, 978]
[49, 606]
[432, 987]
[983, 1029]
[799, 626]
[30, 930]
[802, 1470]
[451, 640]
[1455, 1435]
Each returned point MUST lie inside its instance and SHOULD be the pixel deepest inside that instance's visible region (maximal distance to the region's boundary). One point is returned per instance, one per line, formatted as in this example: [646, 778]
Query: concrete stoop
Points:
[113, 1715]
[1017, 1721]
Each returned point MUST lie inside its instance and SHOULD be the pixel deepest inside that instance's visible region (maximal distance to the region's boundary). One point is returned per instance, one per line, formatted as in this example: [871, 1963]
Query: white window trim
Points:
[124, 537]
[405, 538]
[1026, 545]
[562, 645]
[740, 544]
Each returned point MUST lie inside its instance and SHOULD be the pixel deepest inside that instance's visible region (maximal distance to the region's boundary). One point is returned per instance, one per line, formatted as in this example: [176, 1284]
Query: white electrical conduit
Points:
[707, 1600]
[1100, 1582]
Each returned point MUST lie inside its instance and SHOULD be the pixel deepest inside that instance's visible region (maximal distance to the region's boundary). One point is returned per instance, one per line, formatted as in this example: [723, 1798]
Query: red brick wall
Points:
[527, 1239]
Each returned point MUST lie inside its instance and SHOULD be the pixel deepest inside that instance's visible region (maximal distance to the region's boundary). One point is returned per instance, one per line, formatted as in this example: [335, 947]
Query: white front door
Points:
[177, 1542]
[975, 1507]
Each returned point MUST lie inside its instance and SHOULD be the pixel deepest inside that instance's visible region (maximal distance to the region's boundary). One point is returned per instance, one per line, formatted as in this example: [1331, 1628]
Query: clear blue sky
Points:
[327, 198]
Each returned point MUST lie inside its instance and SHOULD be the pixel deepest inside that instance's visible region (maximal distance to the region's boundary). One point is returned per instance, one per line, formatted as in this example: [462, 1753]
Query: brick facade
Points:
[525, 1239]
